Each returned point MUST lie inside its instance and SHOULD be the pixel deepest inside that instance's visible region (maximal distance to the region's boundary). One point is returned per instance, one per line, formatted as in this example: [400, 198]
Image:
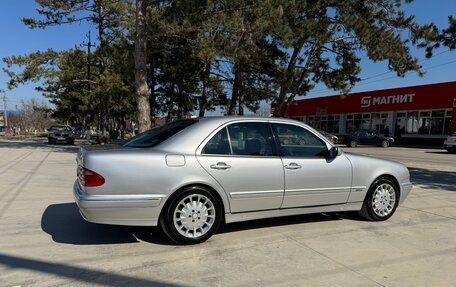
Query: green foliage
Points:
[36, 66]
[198, 51]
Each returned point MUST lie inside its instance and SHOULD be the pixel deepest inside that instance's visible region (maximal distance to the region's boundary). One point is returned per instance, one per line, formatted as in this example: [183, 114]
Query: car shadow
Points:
[287, 220]
[64, 223]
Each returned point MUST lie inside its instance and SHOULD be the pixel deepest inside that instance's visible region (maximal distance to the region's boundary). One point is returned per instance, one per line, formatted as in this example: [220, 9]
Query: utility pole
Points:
[89, 45]
[5, 112]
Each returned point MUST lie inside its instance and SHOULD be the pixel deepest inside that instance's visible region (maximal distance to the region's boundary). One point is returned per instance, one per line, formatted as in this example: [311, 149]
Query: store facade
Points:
[414, 114]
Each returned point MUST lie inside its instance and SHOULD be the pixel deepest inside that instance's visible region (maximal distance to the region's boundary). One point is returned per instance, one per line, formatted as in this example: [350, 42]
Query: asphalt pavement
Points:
[45, 242]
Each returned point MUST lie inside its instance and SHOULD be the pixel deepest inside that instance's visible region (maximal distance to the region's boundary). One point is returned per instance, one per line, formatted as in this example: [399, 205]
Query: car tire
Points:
[451, 149]
[381, 200]
[204, 211]
[385, 143]
[352, 143]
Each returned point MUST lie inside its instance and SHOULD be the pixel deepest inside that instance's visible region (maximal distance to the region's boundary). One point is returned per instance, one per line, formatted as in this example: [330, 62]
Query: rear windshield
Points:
[60, 128]
[158, 135]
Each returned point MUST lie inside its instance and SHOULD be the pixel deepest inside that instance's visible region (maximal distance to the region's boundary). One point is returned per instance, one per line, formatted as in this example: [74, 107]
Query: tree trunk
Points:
[241, 97]
[170, 105]
[142, 89]
[279, 104]
[205, 80]
[153, 95]
[235, 92]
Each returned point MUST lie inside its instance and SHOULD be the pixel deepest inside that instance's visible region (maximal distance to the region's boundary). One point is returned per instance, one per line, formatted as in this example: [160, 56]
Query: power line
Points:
[360, 83]
[419, 61]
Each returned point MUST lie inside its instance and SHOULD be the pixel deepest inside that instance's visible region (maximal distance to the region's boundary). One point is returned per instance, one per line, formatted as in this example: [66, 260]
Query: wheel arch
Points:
[211, 189]
[390, 177]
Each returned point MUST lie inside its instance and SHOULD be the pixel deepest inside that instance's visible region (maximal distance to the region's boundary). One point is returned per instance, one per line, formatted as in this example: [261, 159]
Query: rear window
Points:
[158, 135]
[59, 128]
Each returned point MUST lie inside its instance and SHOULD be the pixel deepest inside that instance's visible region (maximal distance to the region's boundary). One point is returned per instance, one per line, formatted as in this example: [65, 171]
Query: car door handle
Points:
[293, 165]
[220, 165]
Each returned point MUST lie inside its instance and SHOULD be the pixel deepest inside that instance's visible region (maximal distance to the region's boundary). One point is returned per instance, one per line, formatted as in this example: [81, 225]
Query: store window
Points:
[424, 123]
[401, 123]
[412, 122]
[447, 123]
[435, 122]
[367, 121]
[328, 123]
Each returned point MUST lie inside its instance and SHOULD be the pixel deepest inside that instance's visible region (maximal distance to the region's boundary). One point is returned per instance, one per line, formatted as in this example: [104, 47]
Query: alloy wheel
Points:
[194, 216]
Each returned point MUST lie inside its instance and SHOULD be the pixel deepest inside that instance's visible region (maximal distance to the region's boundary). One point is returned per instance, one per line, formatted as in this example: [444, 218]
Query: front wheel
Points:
[192, 216]
[451, 149]
[381, 200]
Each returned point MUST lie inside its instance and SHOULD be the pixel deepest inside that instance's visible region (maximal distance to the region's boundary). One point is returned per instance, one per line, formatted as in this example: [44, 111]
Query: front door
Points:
[241, 158]
[311, 179]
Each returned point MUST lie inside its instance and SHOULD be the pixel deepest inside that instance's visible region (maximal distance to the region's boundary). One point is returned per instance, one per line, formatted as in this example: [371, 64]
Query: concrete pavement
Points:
[45, 242]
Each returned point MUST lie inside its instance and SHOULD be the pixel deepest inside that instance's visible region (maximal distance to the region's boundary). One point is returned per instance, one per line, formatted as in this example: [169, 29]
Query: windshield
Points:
[158, 135]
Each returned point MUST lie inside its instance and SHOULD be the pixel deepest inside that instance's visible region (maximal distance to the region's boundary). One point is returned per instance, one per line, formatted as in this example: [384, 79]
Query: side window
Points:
[298, 141]
[218, 144]
[250, 139]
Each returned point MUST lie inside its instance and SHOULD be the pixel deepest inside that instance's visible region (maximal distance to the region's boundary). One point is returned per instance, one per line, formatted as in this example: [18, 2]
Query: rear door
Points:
[241, 157]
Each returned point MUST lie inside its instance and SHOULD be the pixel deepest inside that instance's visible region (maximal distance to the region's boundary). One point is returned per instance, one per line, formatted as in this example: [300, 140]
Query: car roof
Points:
[187, 140]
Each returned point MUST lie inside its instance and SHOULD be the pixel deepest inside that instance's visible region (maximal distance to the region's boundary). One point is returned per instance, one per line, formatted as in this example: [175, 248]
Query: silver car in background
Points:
[189, 176]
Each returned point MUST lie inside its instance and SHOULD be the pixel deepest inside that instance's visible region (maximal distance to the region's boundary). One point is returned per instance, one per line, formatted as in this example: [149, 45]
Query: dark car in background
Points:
[331, 137]
[370, 138]
[60, 133]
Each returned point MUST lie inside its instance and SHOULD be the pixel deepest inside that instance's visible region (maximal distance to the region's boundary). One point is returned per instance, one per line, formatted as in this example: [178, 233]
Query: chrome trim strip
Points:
[317, 189]
[133, 197]
[256, 192]
[122, 197]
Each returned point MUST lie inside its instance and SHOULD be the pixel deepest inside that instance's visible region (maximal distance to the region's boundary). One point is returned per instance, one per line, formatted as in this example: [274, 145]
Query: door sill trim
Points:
[245, 216]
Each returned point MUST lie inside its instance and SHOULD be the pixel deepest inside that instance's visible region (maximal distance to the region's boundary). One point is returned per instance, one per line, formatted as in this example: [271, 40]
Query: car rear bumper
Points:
[60, 139]
[449, 144]
[138, 209]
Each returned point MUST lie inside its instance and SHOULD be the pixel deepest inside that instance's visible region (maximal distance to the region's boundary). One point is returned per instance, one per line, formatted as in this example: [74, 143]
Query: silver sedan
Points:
[190, 176]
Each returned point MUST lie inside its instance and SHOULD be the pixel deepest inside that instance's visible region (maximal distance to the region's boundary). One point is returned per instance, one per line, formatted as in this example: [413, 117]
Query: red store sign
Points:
[426, 97]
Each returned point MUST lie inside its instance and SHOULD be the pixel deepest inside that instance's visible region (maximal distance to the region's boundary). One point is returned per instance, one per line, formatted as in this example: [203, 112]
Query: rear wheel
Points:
[192, 216]
[451, 149]
[385, 143]
[352, 143]
[381, 200]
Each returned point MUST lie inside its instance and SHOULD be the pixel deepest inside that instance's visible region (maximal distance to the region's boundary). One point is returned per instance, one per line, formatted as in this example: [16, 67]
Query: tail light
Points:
[91, 178]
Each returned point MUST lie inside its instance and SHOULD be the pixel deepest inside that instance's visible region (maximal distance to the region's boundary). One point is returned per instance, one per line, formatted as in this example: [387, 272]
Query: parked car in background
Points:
[450, 144]
[370, 138]
[331, 137]
[189, 176]
[60, 133]
[98, 137]
[78, 133]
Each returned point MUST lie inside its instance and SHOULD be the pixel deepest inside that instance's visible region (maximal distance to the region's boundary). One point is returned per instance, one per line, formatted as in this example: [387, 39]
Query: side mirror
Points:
[333, 152]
